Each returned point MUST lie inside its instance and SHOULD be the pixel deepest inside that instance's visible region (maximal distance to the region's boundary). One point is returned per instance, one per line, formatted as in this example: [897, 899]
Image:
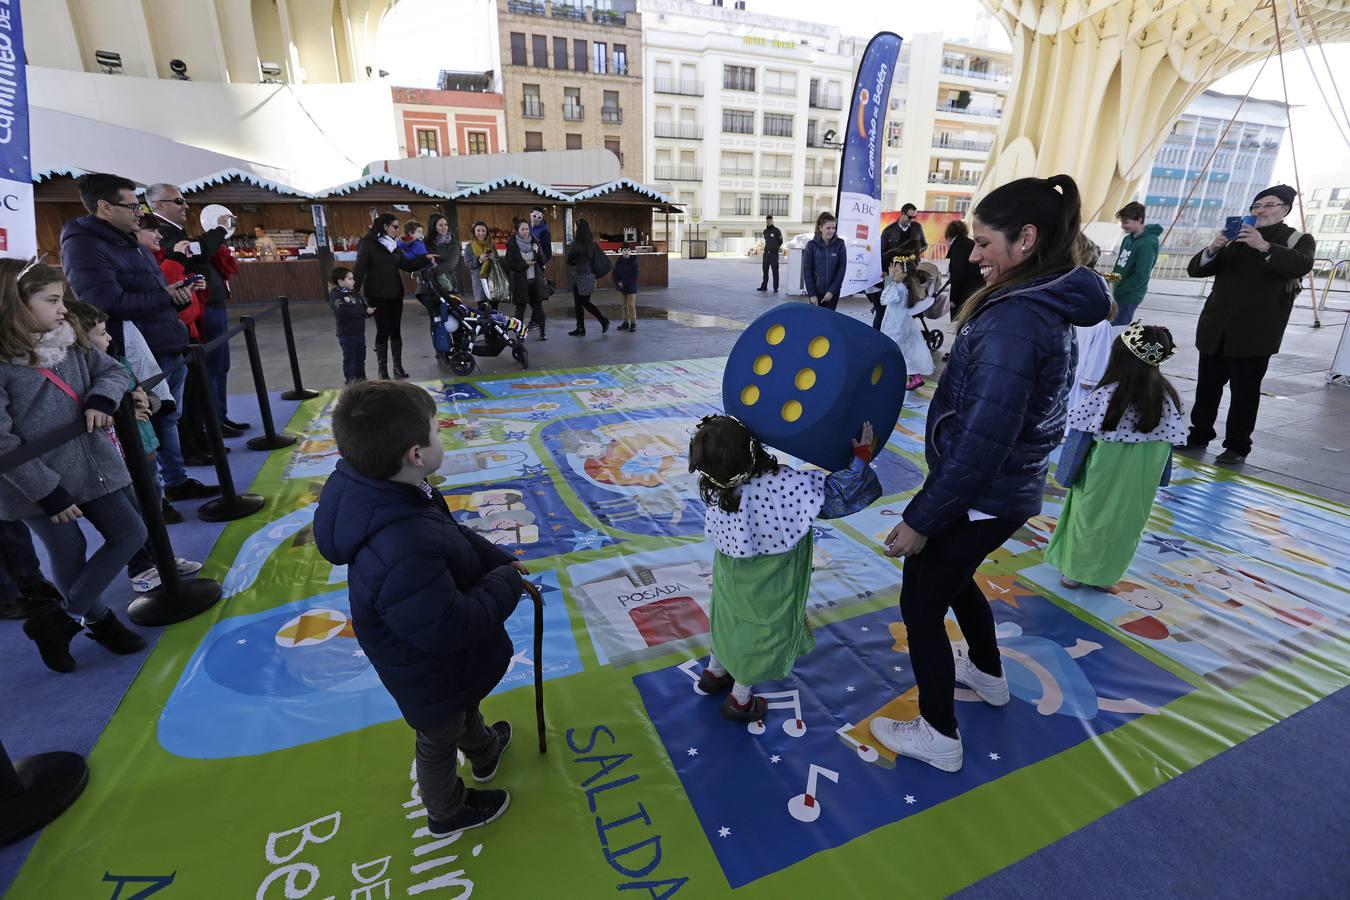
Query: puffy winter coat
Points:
[429, 598]
[107, 268]
[999, 409]
[170, 236]
[377, 269]
[823, 266]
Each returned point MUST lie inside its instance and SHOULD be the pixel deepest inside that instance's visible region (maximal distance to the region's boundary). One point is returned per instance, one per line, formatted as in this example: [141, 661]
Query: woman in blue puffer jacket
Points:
[996, 417]
[823, 262]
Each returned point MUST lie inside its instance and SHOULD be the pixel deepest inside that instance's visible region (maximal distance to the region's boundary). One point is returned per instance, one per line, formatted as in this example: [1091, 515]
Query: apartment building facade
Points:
[945, 110]
[1326, 203]
[1207, 169]
[571, 76]
[744, 118]
[433, 122]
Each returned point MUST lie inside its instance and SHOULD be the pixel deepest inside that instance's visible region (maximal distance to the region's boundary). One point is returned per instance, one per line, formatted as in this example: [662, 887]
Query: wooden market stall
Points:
[621, 211]
[503, 200]
[56, 200]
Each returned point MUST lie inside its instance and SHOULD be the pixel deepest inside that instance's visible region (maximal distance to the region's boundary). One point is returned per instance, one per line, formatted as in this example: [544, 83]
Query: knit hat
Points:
[1282, 192]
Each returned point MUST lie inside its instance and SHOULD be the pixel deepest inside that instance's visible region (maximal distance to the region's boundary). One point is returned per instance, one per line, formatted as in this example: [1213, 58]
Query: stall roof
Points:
[238, 185]
[625, 190]
[383, 186]
[58, 172]
[511, 188]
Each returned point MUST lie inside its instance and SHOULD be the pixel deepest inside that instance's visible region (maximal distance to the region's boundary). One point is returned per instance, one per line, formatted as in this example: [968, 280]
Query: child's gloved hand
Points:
[863, 445]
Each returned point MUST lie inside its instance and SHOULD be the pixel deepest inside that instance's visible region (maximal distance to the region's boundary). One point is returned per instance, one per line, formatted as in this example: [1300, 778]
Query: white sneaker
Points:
[186, 566]
[993, 689]
[149, 579]
[919, 740]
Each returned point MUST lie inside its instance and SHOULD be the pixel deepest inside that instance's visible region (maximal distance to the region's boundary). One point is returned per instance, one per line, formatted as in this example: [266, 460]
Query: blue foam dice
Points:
[804, 379]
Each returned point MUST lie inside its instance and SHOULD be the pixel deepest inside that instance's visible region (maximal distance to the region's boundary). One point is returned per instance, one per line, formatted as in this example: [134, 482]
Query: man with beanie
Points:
[1256, 278]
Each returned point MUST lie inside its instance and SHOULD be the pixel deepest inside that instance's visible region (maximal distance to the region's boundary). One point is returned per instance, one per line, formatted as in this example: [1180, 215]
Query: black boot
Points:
[382, 359]
[396, 345]
[52, 631]
[111, 633]
[543, 328]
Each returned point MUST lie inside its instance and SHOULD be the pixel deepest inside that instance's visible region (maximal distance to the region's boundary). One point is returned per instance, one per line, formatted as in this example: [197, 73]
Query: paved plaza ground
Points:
[1303, 432]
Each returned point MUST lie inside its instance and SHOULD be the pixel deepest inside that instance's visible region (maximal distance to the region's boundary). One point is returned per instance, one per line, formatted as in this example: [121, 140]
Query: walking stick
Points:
[538, 662]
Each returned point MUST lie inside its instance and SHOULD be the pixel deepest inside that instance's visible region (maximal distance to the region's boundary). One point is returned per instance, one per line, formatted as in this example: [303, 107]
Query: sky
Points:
[413, 49]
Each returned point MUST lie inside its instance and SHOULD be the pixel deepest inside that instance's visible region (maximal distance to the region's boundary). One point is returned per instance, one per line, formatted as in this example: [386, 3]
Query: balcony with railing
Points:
[678, 130]
[821, 179]
[1000, 76]
[609, 17]
[733, 82]
[773, 206]
[985, 111]
[826, 100]
[567, 11]
[683, 87]
[574, 112]
[780, 91]
[766, 172]
[738, 209]
[532, 108]
[679, 173]
[942, 143]
[526, 7]
[738, 171]
[612, 115]
[961, 179]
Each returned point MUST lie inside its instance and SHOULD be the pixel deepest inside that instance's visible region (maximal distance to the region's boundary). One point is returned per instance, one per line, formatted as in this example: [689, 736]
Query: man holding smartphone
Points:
[194, 254]
[1256, 277]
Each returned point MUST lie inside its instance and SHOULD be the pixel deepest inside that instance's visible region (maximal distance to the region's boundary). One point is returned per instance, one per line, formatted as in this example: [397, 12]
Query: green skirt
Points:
[1106, 511]
[759, 612]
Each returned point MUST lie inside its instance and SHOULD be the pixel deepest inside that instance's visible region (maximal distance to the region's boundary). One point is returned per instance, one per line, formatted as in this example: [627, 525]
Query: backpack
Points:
[600, 263]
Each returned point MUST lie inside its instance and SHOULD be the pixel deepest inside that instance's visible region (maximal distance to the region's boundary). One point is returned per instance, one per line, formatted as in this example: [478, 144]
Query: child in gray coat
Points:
[49, 377]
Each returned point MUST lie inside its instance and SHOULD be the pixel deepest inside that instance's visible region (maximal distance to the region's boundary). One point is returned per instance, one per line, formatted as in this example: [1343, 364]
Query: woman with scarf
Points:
[378, 261]
[527, 276]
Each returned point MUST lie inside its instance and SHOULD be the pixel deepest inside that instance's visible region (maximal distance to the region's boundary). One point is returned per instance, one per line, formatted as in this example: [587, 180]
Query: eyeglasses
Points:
[1257, 207]
[176, 201]
[135, 205]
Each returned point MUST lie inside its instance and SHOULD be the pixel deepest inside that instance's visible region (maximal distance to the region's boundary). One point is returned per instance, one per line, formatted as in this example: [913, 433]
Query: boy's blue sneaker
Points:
[484, 771]
[480, 808]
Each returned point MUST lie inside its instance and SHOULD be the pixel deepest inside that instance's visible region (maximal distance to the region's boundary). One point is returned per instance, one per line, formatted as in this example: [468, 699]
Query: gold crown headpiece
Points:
[1151, 352]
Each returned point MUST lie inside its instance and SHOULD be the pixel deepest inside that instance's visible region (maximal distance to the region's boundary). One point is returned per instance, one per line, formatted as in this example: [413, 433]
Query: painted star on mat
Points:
[995, 757]
[241, 642]
[850, 689]
[589, 540]
[528, 471]
[515, 435]
[909, 798]
[557, 527]
[865, 628]
[898, 668]
[538, 582]
[724, 831]
[1167, 545]
[1005, 588]
[824, 534]
[692, 751]
[775, 758]
[540, 416]
[601, 407]
[519, 551]
[359, 653]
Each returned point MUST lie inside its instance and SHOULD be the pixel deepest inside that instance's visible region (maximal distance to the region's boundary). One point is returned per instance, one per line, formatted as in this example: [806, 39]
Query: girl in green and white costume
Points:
[760, 518]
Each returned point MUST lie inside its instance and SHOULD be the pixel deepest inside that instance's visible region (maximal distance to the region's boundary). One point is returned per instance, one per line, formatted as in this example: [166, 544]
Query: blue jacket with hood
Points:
[429, 598]
[999, 409]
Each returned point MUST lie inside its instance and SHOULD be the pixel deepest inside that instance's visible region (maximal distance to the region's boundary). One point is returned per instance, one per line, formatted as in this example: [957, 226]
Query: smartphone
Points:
[194, 248]
[1231, 226]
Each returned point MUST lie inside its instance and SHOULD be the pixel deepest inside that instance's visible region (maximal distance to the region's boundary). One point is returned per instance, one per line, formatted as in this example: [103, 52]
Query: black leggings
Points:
[388, 319]
[942, 577]
[535, 303]
[583, 305]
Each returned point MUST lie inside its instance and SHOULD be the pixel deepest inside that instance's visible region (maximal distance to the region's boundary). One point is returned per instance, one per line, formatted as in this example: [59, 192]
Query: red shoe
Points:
[709, 683]
[914, 383]
[754, 710]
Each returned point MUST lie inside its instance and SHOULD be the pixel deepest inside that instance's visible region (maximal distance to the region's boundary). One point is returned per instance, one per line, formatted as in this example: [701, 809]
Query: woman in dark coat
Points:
[528, 287]
[965, 277]
[824, 260]
[997, 415]
[581, 259]
[378, 263]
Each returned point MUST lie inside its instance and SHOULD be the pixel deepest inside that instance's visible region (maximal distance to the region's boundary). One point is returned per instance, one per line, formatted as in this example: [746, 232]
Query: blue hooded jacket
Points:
[107, 268]
[823, 266]
[429, 598]
[999, 411]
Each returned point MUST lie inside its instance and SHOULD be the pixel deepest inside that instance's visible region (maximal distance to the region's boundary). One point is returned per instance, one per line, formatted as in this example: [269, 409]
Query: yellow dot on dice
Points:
[876, 374]
[818, 347]
[792, 411]
[776, 334]
[763, 364]
[750, 395]
[806, 379]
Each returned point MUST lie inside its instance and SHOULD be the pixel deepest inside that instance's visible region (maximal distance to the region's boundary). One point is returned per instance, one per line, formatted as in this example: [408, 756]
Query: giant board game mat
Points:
[258, 755]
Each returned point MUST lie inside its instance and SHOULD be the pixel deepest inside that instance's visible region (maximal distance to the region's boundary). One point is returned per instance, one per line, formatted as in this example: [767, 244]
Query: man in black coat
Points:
[1256, 278]
[194, 254]
[773, 246]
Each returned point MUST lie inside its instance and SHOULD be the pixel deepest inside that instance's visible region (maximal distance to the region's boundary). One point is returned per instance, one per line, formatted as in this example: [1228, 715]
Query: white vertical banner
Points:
[18, 226]
[860, 182]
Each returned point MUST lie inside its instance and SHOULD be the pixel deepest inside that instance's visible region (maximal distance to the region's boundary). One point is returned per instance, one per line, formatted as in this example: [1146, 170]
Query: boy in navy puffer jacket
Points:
[351, 310]
[429, 598]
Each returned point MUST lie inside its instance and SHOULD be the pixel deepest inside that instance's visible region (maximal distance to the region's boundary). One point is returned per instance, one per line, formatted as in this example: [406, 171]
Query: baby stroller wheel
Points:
[521, 355]
[462, 362]
[935, 338]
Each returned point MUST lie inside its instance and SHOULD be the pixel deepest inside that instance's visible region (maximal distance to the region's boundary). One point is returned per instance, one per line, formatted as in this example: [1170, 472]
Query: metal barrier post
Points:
[230, 505]
[269, 439]
[37, 789]
[176, 599]
[299, 391]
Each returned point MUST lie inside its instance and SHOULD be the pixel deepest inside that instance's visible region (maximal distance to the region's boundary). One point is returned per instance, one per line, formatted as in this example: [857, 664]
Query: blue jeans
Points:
[353, 357]
[1125, 314]
[166, 424]
[83, 580]
[215, 322]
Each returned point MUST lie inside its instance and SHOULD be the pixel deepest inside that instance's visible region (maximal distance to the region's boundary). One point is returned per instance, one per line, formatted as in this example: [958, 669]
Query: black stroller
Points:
[463, 334]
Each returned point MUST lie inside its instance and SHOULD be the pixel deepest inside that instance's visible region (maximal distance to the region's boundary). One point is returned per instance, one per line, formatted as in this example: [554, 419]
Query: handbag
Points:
[600, 263]
[497, 284]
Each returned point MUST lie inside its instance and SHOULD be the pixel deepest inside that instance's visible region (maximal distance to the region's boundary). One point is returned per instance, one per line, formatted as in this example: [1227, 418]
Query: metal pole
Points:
[299, 391]
[269, 439]
[36, 790]
[230, 505]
